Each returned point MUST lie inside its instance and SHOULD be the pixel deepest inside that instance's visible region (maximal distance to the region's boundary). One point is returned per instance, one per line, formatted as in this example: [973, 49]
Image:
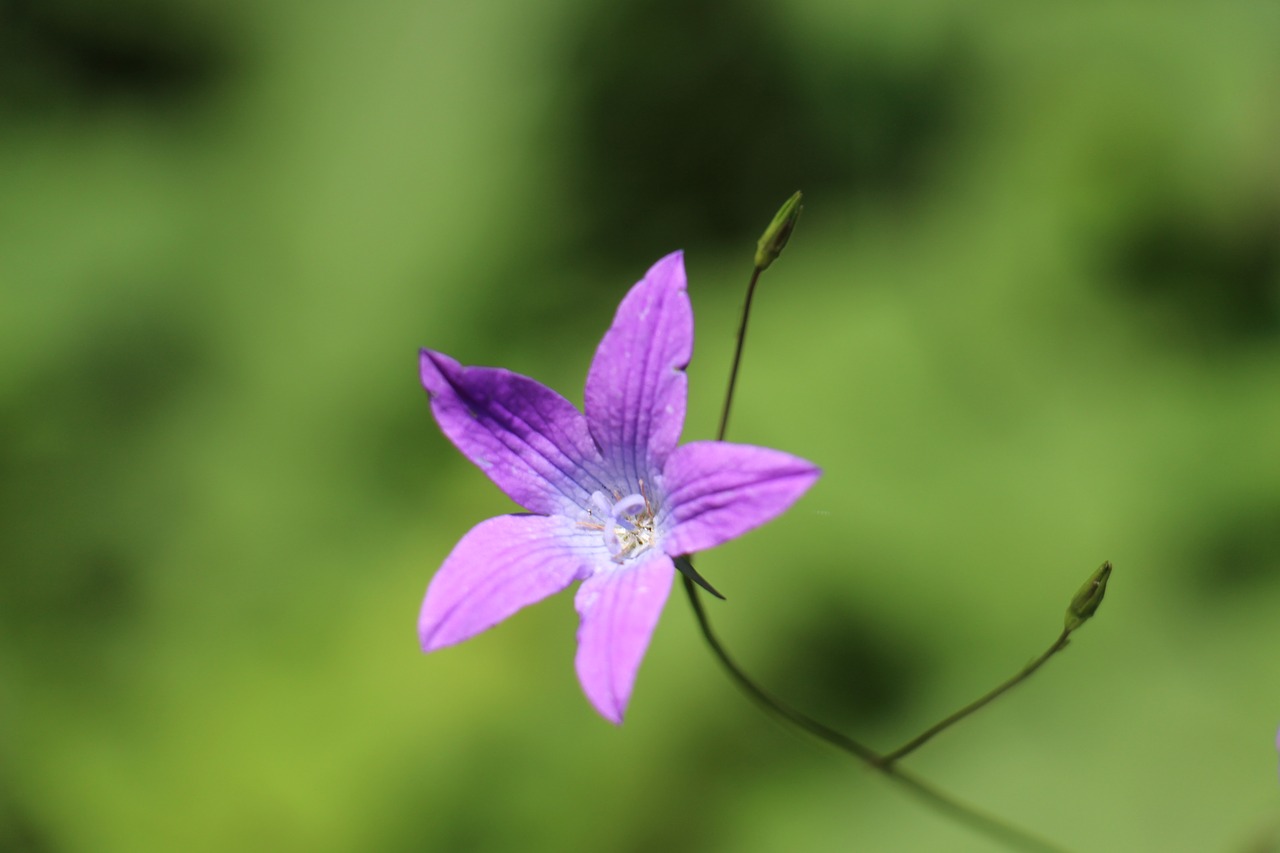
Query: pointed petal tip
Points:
[670, 268]
[428, 637]
[432, 635]
[431, 368]
[609, 701]
[611, 713]
[435, 358]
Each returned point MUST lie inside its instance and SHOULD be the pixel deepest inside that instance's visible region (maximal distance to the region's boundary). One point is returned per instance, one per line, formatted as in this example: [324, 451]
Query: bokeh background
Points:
[1030, 321]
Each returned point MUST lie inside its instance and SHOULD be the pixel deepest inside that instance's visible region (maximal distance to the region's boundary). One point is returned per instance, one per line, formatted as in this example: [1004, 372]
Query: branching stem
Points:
[885, 764]
[991, 826]
[919, 740]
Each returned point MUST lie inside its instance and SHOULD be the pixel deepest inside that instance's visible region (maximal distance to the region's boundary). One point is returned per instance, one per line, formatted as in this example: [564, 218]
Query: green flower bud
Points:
[779, 231]
[1086, 601]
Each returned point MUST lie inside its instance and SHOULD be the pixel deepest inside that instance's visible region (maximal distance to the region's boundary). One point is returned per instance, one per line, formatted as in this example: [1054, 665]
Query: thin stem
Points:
[976, 819]
[737, 354]
[991, 826]
[765, 699]
[922, 738]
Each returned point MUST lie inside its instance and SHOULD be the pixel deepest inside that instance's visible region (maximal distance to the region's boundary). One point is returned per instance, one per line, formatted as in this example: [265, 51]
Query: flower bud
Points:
[779, 231]
[1086, 601]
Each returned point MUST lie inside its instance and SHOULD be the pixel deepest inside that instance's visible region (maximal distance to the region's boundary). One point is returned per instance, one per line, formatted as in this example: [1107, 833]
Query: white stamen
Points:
[626, 524]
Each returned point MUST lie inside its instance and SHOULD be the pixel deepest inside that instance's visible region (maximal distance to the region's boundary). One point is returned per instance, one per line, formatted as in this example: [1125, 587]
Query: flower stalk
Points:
[769, 247]
[1082, 607]
[962, 812]
[889, 758]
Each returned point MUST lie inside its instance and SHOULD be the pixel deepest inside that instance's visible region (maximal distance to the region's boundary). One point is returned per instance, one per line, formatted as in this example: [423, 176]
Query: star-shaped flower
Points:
[611, 498]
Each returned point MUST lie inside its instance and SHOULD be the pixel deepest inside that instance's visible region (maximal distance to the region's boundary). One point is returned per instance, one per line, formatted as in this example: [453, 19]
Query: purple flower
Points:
[611, 498]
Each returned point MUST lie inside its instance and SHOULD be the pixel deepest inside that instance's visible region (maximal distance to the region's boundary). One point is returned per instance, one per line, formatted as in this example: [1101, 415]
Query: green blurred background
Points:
[1030, 321]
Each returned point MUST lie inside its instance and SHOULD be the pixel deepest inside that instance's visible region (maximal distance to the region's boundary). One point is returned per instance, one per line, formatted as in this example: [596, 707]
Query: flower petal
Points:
[717, 491]
[636, 389]
[500, 566]
[527, 438]
[619, 609]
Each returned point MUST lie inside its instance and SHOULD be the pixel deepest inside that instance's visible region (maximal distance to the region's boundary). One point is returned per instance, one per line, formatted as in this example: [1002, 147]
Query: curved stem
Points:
[763, 697]
[991, 826]
[976, 819]
[919, 740]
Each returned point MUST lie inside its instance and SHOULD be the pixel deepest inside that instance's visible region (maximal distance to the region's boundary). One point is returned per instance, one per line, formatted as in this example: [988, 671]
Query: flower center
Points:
[626, 524]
